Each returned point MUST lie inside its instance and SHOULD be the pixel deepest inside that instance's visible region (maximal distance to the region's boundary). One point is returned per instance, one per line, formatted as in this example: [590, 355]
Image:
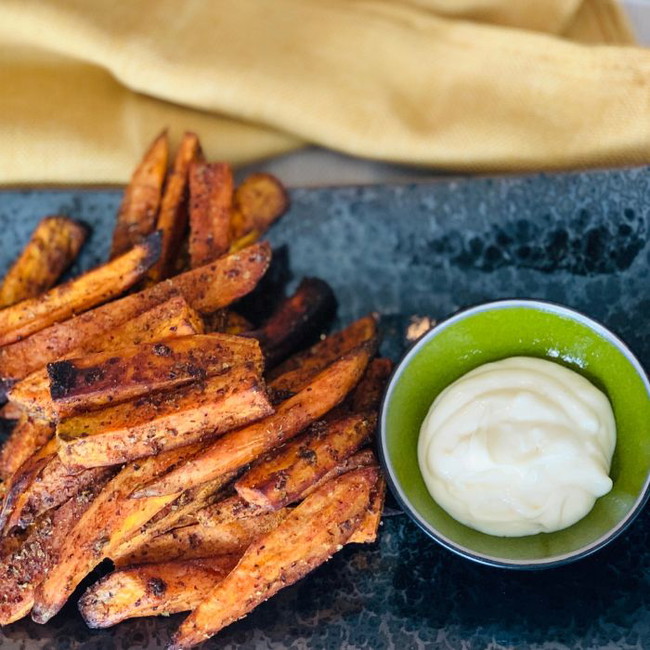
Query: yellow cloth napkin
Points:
[478, 85]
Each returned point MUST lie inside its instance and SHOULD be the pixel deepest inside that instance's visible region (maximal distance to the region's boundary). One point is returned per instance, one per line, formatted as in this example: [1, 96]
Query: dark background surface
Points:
[428, 249]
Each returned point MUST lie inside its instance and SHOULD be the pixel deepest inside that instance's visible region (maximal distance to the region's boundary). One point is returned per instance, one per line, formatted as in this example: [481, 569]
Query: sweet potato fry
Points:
[109, 521]
[137, 215]
[198, 541]
[164, 421]
[172, 218]
[237, 448]
[306, 538]
[211, 194]
[205, 290]
[296, 320]
[297, 371]
[78, 295]
[86, 384]
[24, 568]
[228, 510]
[28, 436]
[366, 532]
[369, 391]
[234, 323]
[281, 479]
[171, 319]
[153, 590]
[180, 512]
[363, 458]
[53, 246]
[258, 202]
[19, 482]
[49, 488]
[11, 411]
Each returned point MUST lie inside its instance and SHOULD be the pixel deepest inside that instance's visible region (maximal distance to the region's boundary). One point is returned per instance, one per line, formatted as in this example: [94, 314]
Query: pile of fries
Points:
[213, 461]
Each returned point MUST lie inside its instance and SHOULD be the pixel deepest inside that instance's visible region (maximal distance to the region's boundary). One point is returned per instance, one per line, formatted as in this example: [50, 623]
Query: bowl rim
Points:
[489, 560]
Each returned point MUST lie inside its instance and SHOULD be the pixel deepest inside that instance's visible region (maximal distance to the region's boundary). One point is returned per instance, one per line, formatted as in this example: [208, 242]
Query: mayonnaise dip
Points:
[518, 447]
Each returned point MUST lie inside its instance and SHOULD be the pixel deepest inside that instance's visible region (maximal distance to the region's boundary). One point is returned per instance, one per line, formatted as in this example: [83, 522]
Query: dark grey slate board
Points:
[429, 249]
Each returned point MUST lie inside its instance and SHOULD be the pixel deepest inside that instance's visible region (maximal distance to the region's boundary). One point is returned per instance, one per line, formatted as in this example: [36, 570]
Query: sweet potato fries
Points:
[212, 460]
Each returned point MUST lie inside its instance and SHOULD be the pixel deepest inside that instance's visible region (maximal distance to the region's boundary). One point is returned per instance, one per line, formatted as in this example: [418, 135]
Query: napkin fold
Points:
[466, 85]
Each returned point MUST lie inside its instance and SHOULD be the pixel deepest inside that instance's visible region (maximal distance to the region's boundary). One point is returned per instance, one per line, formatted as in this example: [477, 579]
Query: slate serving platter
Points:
[428, 249]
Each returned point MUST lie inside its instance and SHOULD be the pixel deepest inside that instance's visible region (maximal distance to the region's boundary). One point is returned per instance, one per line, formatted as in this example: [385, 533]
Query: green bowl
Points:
[494, 331]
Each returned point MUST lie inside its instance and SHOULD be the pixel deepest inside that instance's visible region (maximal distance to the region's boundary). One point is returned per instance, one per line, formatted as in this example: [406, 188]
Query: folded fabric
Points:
[470, 85]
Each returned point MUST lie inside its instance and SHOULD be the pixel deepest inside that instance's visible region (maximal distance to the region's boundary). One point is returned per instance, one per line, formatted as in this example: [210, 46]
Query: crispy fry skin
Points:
[211, 194]
[205, 290]
[306, 538]
[137, 215]
[109, 521]
[49, 488]
[171, 319]
[164, 421]
[298, 370]
[368, 393]
[366, 532]
[85, 384]
[227, 510]
[24, 568]
[281, 479]
[172, 218]
[180, 512]
[296, 320]
[153, 590]
[198, 540]
[363, 458]
[53, 246]
[78, 295]
[28, 436]
[18, 483]
[258, 202]
[237, 448]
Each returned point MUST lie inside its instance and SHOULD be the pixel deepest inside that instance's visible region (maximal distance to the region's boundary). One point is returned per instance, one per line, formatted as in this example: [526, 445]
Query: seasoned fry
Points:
[227, 510]
[363, 458]
[205, 290]
[281, 478]
[258, 202]
[368, 393]
[163, 421]
[172, 218]
[199, 541]
[235, 323]
[298, 370]
[182, 511]
[11, 411]
[211, 194]
[237, 448]
[296, 320]
[23, 477]
[24, 568]
[173, 318]
[153, 590]
[306, 538]
[27, 436]
[137, 215]
[87, 384]
[109, 521]
[53, 246]
[367, 531]
[86, 291]
[48, 488]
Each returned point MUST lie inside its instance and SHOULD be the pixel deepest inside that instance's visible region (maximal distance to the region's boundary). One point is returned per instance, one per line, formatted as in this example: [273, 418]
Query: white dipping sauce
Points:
[518, 447]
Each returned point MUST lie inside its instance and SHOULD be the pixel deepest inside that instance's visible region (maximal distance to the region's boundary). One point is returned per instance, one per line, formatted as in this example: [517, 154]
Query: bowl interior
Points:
[476, 337]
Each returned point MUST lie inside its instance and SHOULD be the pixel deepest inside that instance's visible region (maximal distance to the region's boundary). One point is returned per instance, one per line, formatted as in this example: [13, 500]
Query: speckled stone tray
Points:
[429, 249]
